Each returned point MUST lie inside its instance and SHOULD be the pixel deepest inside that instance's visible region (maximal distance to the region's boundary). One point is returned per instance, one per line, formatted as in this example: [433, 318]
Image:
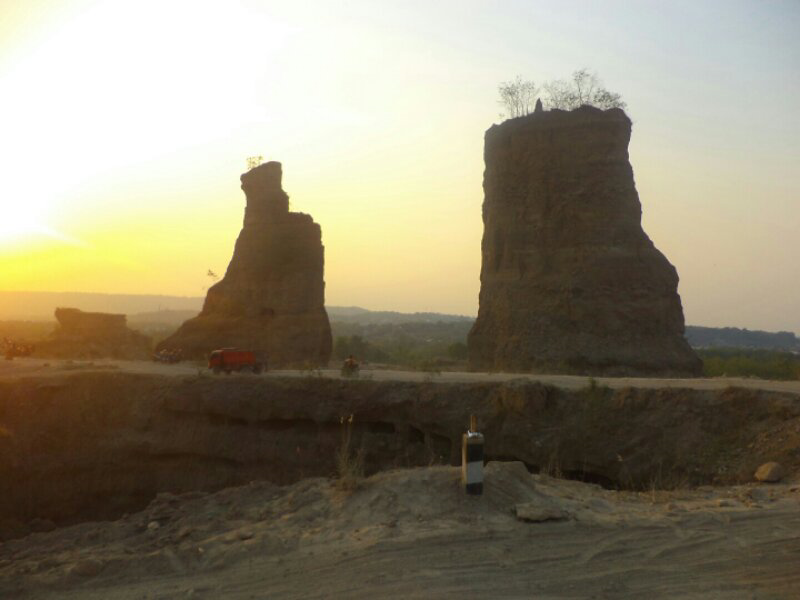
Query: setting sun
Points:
[24, 219]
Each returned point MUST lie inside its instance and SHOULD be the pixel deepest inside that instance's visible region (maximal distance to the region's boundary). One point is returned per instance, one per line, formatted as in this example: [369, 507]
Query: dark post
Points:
[472, 459]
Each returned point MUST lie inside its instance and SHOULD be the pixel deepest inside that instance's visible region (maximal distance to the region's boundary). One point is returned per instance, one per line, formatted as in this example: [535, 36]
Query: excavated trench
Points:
[92, 446]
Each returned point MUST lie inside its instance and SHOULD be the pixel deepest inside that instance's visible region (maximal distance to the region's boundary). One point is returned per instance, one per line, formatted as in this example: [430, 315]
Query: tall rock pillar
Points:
[272, 298]
[569, 280]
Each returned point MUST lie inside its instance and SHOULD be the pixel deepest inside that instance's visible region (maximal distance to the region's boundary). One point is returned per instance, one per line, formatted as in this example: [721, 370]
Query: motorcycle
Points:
[350, 369]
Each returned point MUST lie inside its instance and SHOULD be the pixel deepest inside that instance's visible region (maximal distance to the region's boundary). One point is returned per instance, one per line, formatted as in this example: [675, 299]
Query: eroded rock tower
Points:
[569, 280]
[272, 298]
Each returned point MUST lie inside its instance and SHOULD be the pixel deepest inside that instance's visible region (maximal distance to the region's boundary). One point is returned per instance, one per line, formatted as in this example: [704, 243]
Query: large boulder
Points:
[770, 472]
[569, 280]
[82, 334]
[272, 297]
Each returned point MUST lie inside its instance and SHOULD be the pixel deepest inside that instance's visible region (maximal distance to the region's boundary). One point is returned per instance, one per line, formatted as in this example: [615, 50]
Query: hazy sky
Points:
[124, 127]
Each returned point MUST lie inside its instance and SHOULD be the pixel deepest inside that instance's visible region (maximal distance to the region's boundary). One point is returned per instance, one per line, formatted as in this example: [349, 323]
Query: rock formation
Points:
[93, 335]
[271, 299]
[569, 280]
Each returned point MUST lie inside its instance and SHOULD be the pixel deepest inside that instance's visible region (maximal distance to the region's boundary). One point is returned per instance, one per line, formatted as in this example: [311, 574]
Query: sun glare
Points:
[101, 96]
[18, 221]
[23, 222]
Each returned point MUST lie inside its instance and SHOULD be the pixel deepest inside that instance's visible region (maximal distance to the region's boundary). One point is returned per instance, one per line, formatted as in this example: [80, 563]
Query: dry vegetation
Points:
[741, 362]
[349, 461]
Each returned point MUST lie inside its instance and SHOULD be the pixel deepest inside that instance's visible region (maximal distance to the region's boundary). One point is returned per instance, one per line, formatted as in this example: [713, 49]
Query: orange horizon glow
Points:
[126, 127]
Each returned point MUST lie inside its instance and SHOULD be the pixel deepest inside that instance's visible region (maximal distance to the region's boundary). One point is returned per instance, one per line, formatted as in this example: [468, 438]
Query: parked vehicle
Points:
[168, 356]
[228, 360]
[12, 349]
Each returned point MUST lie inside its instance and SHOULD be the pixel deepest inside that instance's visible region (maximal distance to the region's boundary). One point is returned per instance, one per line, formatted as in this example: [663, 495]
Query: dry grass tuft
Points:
[349, 463]
[552, 468]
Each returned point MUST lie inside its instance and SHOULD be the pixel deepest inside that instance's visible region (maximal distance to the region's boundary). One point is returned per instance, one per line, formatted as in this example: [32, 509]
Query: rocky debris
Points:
[82, 334]
[758, 495]
[312, 527]
[271, 299]
[569, 280]
[276, 522]
[87, 568]
[770, 472]
[538, 514]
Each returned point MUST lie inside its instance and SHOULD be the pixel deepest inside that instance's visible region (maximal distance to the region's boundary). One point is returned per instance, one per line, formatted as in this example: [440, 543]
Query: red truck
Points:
[233, 359]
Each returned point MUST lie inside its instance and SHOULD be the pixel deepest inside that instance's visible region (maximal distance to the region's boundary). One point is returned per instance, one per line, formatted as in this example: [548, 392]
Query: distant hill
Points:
[732, 337]
[160, 319]
[151, 312]
[356, 314]
[698, 337]
[37, 306]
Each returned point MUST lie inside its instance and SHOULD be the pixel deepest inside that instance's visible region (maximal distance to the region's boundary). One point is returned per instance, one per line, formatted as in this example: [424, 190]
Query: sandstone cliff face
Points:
[271, 299]
[569, 280]
[82, 334]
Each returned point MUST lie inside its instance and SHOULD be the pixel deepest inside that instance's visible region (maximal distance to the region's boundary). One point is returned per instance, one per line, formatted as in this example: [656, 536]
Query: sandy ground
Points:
[415, 534]
[42, 367]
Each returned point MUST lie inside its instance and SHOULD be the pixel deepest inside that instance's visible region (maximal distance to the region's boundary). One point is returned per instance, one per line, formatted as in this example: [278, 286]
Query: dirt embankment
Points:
[96, 445]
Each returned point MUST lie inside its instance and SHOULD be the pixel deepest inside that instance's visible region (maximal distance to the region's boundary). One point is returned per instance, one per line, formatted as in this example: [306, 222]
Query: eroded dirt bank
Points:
[90, 446]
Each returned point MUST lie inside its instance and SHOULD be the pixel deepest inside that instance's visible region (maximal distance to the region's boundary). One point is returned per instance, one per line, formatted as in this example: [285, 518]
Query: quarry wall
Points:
[89, 446]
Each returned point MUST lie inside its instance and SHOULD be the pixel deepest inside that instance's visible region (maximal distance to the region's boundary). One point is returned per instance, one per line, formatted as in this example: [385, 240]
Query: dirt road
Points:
[43, 367]
[414, 534]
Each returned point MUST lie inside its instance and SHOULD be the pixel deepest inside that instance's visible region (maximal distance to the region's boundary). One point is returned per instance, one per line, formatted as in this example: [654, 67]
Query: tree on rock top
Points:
[518, 97]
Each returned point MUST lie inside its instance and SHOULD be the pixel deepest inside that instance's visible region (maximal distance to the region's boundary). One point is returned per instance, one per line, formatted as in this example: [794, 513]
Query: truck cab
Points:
[228, 360]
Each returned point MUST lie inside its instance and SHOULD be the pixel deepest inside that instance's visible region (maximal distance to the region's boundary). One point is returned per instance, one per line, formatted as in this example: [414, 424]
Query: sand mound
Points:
[411, 532]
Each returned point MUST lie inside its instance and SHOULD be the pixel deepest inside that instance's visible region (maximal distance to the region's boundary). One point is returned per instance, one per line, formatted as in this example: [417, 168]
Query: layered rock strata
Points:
[569, 280]
[82, 334]
[271, 299]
